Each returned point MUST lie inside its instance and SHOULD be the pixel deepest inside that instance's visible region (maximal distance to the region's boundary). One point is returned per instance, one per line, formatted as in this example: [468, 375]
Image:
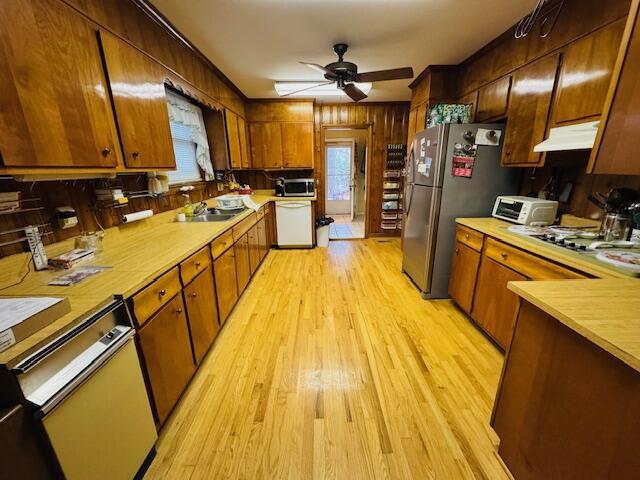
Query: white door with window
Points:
[339, 181]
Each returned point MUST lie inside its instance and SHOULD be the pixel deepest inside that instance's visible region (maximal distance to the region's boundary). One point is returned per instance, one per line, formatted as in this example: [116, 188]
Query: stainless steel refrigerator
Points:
[437, 192]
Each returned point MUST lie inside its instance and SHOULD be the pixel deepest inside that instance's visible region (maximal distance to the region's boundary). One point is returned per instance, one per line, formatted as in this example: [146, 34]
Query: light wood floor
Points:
[332, 366]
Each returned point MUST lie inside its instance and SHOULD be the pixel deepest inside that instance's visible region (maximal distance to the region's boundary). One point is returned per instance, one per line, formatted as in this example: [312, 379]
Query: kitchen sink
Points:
[216, 215]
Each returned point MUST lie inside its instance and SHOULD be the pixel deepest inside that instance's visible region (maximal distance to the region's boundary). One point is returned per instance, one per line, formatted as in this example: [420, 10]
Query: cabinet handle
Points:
[197, 265]
[457, 250]
[106, 151]
[466, 236]
[194, 294]
[162, 292]
[503, 255]
[135, 154]
[179, 311]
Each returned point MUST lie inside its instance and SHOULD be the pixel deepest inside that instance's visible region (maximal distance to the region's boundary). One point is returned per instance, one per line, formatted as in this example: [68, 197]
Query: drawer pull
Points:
[197, 265]
[504, 255]
[162, 292]
[467, 236]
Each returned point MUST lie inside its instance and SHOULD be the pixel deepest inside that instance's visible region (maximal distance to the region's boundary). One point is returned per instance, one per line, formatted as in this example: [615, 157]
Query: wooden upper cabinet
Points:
[55, 108]
[266, 145]
[528, 111]
[244, 144]
[614, 151]
[139, 97]
[493, 100]
[411, 125]
[587, 65]
[233, 139]
[297, 145]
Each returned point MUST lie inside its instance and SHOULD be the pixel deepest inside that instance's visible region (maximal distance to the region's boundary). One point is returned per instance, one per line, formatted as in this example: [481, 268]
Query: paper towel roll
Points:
[134, 217]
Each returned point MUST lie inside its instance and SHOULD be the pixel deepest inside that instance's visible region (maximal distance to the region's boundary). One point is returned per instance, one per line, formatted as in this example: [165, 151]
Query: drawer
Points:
[244, 226]
[195, 264]
[469, 237]
[261, 213]
[222, 243]
[529, 265]
[149, 300]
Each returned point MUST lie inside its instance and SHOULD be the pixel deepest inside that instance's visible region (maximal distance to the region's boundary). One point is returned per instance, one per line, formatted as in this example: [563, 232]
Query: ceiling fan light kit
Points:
[344, 76]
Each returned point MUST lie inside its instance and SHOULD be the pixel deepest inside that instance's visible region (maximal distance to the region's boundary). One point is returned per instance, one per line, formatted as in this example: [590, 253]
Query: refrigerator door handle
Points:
[407, 202]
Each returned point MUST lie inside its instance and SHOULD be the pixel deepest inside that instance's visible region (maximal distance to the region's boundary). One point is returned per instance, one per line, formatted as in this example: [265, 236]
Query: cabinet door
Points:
[615, 151]
[587, 65]
[471, 99]
[200, 299]
[528, 112]
[139, 98]
[494, 306]
[262, 238]
[464, 270]
[54, 106]
[297, 145]
[166, 349]
[244, 148]
[493, 99]
[266, 145]
[421, 117]
[270, 226]
[412, 124]
[243, 265]
[224, 268]
[254, 248]
[233, 139]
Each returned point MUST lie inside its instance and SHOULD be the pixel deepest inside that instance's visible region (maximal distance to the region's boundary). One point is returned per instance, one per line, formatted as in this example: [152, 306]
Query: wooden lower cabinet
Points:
[243, 266]
[202, 311]
[464, 271]
[566, 409]
[224, 268]
[254, 248]
[494, 306]
[166, 351]
[262, 238]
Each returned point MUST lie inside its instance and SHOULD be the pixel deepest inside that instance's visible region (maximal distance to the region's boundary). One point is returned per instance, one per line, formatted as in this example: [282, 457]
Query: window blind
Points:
[187, 169]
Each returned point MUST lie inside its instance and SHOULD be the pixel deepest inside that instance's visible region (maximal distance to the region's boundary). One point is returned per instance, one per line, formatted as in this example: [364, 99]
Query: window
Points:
[184, 148]
[190, 144]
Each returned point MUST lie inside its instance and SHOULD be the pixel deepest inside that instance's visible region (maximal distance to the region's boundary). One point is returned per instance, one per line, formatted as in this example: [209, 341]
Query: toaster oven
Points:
[525, 210]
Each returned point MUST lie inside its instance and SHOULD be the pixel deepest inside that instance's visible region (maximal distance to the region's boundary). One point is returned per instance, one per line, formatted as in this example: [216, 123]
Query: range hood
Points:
[572, 137]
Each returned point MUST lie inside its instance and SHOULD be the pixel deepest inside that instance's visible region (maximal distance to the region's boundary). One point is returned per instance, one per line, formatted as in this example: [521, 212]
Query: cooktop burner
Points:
[578, 245]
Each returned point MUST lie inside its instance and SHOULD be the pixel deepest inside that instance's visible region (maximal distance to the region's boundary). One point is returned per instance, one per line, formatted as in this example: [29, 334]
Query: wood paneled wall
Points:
[127, 19]
[80, 195]
[389, 123]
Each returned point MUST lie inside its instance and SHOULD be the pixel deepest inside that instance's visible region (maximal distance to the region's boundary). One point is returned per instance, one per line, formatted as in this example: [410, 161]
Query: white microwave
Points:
[525, 210]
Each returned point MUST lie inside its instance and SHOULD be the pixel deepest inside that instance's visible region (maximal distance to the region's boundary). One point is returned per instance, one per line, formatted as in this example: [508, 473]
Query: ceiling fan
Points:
[343, 74]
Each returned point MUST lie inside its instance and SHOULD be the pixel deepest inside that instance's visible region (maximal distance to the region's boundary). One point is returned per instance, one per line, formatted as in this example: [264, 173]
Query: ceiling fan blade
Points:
[380, 75]
[354, 92]
[306, 88]
[319, 68]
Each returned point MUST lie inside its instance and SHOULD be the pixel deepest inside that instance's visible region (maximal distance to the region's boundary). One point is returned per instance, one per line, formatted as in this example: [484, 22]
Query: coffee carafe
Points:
[619, 205]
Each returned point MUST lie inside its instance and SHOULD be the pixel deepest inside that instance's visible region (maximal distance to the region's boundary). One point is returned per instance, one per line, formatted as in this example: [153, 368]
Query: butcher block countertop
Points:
[581, 262]
[136, 253]
[604, 311]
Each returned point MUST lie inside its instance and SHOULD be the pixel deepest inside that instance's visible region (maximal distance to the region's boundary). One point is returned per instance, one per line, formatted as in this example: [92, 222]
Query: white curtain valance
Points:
[183, 112]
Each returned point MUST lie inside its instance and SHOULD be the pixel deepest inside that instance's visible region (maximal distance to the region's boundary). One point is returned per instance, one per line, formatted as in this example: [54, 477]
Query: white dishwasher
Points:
[294, 224]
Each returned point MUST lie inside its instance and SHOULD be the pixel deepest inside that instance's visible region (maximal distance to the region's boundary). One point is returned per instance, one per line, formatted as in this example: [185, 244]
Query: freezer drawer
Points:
[294, 224]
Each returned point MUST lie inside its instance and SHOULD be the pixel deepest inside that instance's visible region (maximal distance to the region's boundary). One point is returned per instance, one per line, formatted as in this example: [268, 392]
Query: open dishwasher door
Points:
[91, 398]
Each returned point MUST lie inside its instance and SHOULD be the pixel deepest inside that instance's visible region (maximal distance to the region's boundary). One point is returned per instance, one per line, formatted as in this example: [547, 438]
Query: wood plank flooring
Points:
[331, 366]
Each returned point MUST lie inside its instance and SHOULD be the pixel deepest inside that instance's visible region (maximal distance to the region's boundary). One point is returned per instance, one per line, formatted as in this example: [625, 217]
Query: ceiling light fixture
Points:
[307, 89]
